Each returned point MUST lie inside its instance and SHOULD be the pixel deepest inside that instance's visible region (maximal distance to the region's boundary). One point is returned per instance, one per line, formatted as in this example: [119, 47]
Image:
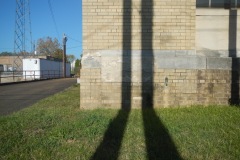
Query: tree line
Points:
[46, 47]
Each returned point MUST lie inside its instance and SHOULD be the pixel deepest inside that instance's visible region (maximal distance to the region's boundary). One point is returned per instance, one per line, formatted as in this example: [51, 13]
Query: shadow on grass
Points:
[158, 141]
[111, 143]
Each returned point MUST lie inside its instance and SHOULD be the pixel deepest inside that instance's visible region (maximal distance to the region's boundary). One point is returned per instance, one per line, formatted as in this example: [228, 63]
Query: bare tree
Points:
[51, 47]
[48, 46]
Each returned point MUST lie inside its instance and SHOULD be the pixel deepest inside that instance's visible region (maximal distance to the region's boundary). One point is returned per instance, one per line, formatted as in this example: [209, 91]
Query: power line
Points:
[74, 47]
[73, 39]
[54, 21]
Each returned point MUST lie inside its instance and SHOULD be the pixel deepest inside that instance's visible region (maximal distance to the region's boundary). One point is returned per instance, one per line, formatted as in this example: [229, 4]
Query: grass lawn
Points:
[55, 128]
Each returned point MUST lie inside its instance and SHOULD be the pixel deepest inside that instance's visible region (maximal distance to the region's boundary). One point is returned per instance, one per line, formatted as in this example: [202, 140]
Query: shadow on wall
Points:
[232, 47]
[111, 144]
[159, 144]
[158, 141]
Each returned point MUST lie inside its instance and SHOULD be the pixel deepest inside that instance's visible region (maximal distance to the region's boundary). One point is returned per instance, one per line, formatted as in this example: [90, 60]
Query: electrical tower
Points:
[22, 34]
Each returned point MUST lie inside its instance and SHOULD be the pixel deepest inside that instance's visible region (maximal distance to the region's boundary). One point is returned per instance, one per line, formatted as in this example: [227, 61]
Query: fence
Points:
[17, 76]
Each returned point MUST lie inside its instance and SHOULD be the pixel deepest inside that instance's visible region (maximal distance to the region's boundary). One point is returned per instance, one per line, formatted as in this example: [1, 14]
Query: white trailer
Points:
[37, 68]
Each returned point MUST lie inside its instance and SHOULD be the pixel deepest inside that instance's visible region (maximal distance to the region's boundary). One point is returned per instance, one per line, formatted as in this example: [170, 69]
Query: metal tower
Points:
[22, 34]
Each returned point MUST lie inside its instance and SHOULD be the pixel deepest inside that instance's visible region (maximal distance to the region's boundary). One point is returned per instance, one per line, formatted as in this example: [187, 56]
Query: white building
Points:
[37, 68]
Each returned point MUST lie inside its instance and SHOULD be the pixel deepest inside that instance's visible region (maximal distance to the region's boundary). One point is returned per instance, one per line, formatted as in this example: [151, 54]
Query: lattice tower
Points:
[22, 35]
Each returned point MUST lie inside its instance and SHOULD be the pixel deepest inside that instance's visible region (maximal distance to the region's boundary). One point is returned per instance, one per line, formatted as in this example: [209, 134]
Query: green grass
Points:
[55, 128]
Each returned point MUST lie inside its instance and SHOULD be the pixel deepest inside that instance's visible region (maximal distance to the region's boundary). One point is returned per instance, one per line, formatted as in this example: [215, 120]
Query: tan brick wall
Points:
[185, 87]
[191, 87]
[173, 24]
[8, 60]
[126, 60]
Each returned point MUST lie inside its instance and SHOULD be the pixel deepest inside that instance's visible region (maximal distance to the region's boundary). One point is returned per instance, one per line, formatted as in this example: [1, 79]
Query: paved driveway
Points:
[15, 97]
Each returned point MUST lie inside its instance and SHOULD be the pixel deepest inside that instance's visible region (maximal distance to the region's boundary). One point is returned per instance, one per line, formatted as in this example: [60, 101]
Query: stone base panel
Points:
[183, 87]
[168, 78]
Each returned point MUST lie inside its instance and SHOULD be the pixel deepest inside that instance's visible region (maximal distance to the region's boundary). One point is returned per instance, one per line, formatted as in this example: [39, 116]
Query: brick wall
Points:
[173, 24]
[141, 53]
[184, 87]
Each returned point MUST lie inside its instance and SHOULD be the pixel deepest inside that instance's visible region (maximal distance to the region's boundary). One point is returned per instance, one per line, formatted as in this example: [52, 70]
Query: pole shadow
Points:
[159, 144]
[112, 140]
[232, 48]
[111, 143]
[158, 141]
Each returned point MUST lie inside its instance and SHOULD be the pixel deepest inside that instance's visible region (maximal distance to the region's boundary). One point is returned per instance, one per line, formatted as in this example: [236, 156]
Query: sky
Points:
[67, 19]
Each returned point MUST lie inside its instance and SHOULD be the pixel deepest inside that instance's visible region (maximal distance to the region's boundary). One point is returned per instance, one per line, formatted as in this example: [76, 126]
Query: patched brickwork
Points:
[184, 87]
[191, 87]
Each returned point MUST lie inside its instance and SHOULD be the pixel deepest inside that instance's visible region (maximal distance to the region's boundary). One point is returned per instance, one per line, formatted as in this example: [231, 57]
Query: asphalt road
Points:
[14, 97]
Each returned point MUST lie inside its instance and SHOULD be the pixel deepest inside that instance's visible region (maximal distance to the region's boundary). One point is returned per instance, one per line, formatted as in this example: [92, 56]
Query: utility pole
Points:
[64, 55]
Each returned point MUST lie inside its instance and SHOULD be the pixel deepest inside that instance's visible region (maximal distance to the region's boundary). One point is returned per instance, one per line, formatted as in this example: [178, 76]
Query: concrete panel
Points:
[114, 64]
[111, 68]
[164, 53]
[181, 63]
[90, 61]
[219, 63]
[212, 32]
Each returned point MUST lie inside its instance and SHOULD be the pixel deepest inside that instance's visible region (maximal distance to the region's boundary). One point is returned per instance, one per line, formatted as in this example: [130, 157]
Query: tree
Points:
[77, 67]
[58, 54]
[6, 54]
[51, 47]
[70, 58]
[48, 46]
